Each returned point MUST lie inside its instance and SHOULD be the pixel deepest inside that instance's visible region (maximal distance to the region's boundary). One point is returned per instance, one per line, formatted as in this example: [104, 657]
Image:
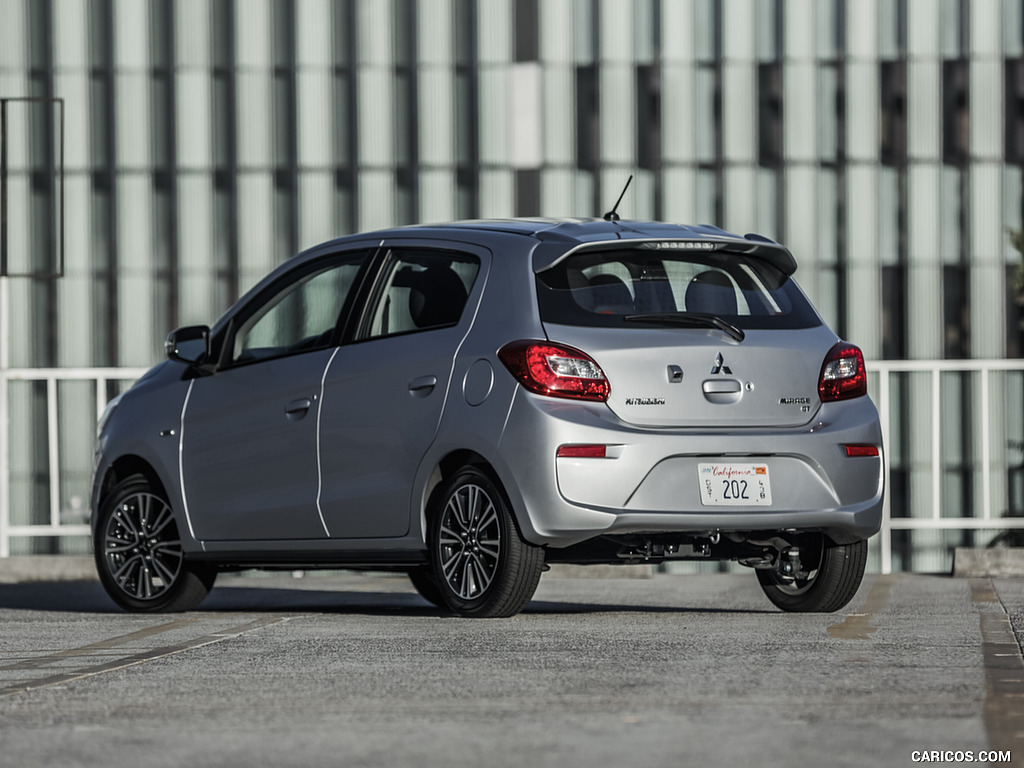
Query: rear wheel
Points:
[822, 586]
[139, 556]
[482, 566]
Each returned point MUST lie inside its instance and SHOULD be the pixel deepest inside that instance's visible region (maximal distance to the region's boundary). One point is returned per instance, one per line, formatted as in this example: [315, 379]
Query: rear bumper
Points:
[649, 483]
[844, 525]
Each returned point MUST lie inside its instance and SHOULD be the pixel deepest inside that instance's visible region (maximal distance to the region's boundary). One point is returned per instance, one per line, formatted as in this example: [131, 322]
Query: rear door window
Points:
[419, 290]
[620, 287]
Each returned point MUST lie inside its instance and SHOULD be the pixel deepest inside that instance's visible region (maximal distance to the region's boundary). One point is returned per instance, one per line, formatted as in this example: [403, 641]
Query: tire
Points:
[139, 556]
[482, 566]
[829, 586]
[422, 578]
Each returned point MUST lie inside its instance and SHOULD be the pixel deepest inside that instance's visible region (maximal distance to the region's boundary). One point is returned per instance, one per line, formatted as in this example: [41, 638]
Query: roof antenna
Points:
[612, 215]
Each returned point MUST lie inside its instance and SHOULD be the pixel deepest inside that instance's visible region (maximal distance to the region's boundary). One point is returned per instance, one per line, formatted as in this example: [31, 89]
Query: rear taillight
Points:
[842, 374]
[555, 370]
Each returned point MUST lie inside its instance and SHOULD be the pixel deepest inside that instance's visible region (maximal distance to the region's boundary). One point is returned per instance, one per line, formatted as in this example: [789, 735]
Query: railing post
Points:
[53, 448]
[936, 444]
[884, 415]
[5, 427]
[986, 456]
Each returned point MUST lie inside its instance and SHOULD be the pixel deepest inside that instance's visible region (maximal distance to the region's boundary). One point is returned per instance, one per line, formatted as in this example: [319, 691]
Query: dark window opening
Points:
[955, 114]
[1015, 310]
[588, 149]
[1014, 111]
[840, 108]
[467, 143]
[901, 25]
[893, 127]
[648, 116]
[406, 125]
[894, 309]
[526, 30]
[769, 115]
[528, 193]
[956, 312]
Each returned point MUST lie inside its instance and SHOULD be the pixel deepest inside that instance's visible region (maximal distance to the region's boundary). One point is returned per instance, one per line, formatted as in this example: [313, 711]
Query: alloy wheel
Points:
[141, 547]
[470, 542]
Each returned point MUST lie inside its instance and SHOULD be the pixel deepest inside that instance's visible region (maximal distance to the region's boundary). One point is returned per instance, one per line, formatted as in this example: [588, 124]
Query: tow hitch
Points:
[787, 563]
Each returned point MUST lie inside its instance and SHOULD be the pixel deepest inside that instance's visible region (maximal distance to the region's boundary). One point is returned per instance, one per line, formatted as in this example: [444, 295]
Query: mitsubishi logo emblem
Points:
[720, 366]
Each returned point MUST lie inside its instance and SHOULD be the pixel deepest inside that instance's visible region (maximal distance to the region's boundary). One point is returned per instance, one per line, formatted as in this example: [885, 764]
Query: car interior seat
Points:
[711, 292]
[436, 297]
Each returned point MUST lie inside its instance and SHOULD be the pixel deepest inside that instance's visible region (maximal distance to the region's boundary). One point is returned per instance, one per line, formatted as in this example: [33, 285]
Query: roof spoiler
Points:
[708, 238]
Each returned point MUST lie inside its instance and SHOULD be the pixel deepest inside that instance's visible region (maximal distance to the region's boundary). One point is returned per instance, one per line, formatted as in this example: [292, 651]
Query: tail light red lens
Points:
[843, 375]
[555, 370]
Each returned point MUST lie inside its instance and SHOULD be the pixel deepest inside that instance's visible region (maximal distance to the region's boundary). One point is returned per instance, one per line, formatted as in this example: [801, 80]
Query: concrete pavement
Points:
[356, 670]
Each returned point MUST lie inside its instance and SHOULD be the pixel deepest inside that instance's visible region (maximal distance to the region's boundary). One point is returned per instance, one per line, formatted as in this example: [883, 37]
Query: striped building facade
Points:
[204, 141]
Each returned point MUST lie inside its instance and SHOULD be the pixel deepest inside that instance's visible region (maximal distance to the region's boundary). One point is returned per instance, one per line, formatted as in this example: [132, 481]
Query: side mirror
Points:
[190, 345]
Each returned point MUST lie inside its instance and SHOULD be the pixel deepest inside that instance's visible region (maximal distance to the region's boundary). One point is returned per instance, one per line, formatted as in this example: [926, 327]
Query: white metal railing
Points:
[882, 372]
[100, 377]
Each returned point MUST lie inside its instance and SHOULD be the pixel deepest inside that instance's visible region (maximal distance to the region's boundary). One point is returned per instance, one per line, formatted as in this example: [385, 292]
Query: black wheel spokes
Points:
[469, 541]
[141, 546]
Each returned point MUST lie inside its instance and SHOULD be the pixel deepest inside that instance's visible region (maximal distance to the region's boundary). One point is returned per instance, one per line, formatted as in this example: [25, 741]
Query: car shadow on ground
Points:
[548, 606]
[89, 597]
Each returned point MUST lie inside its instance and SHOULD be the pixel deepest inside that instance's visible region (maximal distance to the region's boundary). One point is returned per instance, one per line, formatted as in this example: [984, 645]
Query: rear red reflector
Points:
[861, 450]
[582, 451]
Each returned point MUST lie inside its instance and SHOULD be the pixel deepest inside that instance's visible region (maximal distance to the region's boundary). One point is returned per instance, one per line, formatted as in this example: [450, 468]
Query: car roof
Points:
[555, 238]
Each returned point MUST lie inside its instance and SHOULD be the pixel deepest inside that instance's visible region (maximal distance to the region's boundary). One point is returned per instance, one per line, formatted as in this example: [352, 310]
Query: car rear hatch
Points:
[694, 378]
[690, 337]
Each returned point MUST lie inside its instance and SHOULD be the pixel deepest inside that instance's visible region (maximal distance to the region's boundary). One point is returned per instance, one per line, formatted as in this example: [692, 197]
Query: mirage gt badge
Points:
[720, 366]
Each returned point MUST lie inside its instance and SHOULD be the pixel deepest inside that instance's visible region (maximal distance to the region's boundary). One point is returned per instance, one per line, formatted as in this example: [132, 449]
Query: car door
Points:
[384, 393]
[249, 434]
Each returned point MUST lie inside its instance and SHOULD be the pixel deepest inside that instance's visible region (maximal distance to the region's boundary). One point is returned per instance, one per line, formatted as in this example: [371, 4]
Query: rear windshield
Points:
[616, 288]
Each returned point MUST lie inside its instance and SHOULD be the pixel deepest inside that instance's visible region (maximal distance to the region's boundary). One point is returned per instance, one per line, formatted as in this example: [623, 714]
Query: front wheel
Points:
[139, 556]
[826, 586]
[483, 568]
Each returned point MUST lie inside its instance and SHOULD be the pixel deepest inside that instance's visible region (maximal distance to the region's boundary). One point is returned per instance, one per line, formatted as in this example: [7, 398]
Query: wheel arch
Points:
[122, 468]
[447, 466]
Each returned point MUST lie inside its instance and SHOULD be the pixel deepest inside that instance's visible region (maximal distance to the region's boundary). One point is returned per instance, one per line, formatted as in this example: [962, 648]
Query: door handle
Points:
[422, 385]
[296, 409]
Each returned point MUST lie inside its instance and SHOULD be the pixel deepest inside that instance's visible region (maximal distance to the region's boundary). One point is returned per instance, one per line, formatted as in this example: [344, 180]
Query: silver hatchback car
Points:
[469, 402]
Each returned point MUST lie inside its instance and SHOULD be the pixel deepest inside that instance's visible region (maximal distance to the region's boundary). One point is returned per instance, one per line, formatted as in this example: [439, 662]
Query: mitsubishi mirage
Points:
[470, 402]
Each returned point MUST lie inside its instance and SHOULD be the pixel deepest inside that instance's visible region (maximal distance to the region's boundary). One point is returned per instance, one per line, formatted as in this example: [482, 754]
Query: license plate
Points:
[734, 485]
